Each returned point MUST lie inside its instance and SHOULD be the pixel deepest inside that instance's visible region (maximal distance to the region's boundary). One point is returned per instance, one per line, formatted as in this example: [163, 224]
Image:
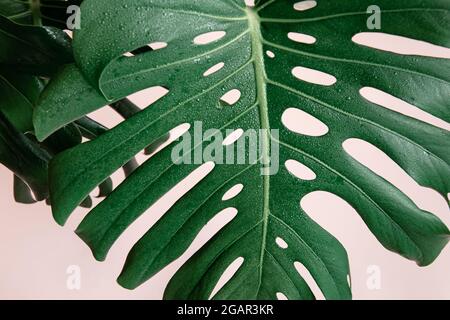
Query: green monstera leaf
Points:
[258, 60]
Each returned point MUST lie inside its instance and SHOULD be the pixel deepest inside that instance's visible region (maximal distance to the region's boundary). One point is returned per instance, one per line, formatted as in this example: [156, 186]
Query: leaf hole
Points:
[233, 192]
[105, 117]
[281, 243]
[147, 48]
[147, 97]
[250, 3]
[281, 296]
[173, 135]
[299, 170]
[231, 97]
[390, 102]
[209, 37]
[305, 5]
[227, 275]
[233, 137]
[300, 122]
[314, 76]
[214, 69]
[270, 54]
[301, 38]
[400, 45]
[157, 45]
[309, 279]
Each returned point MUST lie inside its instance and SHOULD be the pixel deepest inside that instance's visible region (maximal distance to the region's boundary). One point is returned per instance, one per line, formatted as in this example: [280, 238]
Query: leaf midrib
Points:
[261, 91]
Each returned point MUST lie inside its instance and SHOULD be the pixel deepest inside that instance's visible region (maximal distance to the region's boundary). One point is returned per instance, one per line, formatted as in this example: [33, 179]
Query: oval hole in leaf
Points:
[209, 37]
[250, 3]
[105, 117]
[301, 38]
[300, 122]
[233, 137]
[400, 45]
[214, 69]
[281, 296]
[227, 275]
[299, 170]
[314, 76]
[158, 45]
[233, 192]
[231, 97]
[270, 54]
[148, 48]
[306, 275]
[149, 96]
[281, 243]
[304, 5]
[174, 134]
[390, 102]
[381, 164]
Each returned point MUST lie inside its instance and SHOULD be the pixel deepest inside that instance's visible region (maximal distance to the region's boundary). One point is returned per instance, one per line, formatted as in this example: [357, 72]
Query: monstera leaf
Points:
[259, 59]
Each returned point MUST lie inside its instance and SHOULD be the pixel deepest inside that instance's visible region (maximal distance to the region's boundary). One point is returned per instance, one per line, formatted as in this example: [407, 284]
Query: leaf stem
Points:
[125, 108]
[35, 7]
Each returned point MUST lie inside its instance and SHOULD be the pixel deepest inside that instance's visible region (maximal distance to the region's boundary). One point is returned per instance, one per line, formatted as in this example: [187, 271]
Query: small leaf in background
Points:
[24, 157]
[22, 193]
[33, 49]
[19, 94]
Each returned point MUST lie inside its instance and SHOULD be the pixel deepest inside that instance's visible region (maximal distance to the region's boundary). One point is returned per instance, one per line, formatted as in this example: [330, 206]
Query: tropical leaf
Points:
[19, 149]
[22, 193]
[24, 157]
[19, 94]
[268, 206]
[33, 49]
[40, 51]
